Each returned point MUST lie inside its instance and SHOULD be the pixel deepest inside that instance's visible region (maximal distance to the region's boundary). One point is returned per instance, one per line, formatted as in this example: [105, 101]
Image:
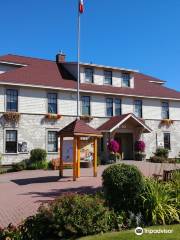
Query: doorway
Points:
[126, 145]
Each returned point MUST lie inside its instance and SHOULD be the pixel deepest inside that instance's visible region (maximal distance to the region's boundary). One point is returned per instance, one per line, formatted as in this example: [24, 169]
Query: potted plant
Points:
[139, 150]
[11, 116]
[113, 147]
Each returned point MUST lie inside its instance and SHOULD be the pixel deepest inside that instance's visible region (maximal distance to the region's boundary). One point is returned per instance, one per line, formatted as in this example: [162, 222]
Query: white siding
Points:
[151, 109]
[1, 99]
[117, 79]
[32, 101]
[127, 105]
[98, 76]
[98, 106]
[174, 110]
[67, 103]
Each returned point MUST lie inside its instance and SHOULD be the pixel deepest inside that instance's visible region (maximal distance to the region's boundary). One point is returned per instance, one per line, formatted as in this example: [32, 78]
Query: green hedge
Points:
[122, 185]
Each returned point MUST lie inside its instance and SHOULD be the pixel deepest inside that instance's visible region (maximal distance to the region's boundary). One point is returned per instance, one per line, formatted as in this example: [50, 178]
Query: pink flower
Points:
[139, 146]
[113, 146]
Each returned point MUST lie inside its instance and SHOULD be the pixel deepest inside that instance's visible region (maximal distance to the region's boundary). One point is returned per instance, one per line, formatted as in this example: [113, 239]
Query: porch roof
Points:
[117, 121]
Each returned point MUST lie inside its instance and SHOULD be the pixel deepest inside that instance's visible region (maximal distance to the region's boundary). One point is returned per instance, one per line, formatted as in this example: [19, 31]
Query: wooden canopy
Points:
[78, 129]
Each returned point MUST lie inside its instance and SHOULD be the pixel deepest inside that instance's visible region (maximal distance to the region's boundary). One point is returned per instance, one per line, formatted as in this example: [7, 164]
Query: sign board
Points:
[67, 153]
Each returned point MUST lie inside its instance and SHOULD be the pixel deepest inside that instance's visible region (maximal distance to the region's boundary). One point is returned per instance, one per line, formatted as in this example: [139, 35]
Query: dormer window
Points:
[89, 75]
[107, 77]
[126, 80]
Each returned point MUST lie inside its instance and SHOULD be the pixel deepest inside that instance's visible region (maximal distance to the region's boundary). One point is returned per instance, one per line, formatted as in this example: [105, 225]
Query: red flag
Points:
[81, 6]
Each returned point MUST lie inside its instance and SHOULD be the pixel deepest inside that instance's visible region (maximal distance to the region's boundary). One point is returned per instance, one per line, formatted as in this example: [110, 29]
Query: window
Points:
[11, 100]
[138, 108]
[167, 141]
[52, 141]
[109, 107]
[89, 75]
[126, 80]
[108, 77]
[85, 105]
[165, 110]
[11, 141]
[117, 107]
[52, 103]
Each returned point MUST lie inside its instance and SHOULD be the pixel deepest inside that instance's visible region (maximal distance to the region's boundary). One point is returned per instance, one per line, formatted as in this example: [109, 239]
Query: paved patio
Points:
[21, 193]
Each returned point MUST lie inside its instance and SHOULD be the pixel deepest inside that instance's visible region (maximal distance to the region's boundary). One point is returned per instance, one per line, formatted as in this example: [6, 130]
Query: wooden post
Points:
[60, 158]
[74, 158]
[95, 157]
[78, 157]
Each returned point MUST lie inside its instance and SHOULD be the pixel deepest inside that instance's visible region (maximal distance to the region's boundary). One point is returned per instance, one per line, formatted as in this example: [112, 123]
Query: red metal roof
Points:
[47, 73]
[79, 127]
[119, 120]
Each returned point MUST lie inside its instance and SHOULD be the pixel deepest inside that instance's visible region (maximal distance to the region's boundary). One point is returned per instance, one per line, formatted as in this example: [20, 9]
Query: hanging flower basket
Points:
[12, 116]
[167, 122]
[86, 118]
[50, 116]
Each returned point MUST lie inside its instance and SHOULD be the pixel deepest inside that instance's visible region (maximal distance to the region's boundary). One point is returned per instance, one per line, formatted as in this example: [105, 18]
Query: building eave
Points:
[86, 91]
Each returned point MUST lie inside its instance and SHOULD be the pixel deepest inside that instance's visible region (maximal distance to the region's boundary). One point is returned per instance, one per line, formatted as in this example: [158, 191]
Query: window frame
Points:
[141, 113]
[167, 112]
[48, 103]
[52, 131]
[169, 140]
[107, 107]
[89, 110]
[124, 80]
[5, 141]
[17, 100]
[120, 106]
[111, 75]
[92, 77]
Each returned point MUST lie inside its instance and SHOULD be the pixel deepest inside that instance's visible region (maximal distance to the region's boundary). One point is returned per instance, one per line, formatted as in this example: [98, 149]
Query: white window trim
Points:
[46, 140]
[5, 97]
[4, 148]
[90, 98]
[134, 107]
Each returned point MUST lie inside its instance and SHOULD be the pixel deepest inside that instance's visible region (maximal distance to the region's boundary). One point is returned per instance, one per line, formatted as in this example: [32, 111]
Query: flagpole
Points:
[78, 62]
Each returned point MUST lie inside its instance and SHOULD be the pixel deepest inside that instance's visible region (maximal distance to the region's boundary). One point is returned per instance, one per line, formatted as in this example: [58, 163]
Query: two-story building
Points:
[38, 98]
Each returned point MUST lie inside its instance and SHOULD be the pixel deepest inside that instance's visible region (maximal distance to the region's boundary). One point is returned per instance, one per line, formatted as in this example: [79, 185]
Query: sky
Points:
[138, 34]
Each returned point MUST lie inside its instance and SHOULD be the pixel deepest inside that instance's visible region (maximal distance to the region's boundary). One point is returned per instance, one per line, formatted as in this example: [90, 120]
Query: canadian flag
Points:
[81, 6]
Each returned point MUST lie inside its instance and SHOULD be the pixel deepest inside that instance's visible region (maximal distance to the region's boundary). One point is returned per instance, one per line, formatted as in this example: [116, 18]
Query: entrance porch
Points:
[126, 130]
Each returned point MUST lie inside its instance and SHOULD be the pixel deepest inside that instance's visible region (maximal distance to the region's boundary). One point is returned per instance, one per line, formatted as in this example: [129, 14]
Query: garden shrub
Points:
[19, 166]
[162, 152]
[37, 165]
[122, 185]
[160, 203]
[70, 216]
[11, 233]
[38, 155]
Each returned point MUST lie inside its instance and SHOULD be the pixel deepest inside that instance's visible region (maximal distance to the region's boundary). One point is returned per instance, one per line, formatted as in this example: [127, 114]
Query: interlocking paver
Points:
[21, 193]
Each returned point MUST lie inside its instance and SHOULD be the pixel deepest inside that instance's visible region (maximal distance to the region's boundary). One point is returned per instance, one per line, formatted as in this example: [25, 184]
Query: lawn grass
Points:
[130, 235]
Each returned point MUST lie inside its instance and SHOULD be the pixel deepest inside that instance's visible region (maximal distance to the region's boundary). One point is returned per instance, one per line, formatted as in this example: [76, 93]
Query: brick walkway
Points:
[21, 193]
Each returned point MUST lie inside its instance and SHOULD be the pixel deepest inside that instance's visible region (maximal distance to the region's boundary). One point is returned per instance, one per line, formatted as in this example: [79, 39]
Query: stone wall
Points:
[33, 130]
